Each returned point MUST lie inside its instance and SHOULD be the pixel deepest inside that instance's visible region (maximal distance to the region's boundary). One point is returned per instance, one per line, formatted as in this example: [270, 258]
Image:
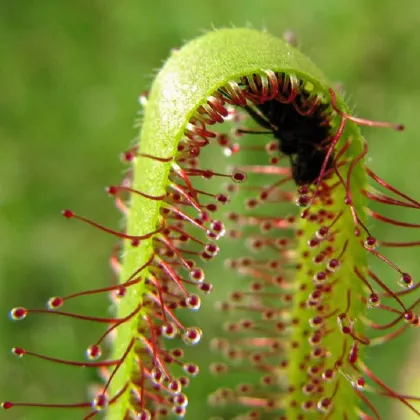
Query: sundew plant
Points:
[250, 174]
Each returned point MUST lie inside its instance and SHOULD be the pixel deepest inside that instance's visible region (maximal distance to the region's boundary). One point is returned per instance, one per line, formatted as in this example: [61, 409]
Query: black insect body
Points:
[304, 138]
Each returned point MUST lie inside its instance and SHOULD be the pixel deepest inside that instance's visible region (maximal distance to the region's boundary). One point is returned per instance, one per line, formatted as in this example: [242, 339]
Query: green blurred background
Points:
[71, 75]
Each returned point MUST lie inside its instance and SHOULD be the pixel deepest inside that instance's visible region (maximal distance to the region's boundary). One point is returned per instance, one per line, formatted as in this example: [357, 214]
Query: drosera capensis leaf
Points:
[189, 76]
[299, 322]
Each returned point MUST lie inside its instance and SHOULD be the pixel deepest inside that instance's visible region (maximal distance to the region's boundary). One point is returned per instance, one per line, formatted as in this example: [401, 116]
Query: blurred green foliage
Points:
[71, 73]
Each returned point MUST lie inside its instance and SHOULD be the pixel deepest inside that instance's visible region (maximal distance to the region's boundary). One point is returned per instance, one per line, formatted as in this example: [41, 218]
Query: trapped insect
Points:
[301, 124]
